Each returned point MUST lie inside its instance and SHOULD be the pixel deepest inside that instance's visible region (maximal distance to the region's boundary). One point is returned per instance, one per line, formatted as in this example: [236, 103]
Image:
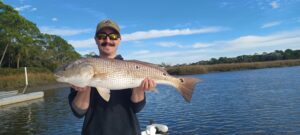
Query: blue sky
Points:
[169, 31]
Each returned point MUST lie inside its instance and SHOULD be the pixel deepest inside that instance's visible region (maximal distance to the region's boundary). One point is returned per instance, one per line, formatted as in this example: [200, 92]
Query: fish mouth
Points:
[59, 78]
[57, 75]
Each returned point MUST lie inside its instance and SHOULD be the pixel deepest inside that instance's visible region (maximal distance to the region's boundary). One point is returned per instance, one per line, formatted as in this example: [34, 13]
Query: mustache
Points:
[107, 44]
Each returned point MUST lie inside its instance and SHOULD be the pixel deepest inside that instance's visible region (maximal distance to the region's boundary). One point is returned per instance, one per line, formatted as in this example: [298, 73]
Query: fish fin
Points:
[148, 64]
[104, 93]
[186, 86]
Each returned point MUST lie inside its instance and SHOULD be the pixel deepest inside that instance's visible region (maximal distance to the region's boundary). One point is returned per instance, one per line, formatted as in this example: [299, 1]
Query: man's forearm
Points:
[137, 95]
[82, 99]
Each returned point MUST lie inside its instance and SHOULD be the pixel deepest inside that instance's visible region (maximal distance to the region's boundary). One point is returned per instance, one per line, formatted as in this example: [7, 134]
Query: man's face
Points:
[107, 45]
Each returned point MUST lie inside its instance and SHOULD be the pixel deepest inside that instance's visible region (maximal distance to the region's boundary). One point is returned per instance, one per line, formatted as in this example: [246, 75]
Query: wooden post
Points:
[26, 80]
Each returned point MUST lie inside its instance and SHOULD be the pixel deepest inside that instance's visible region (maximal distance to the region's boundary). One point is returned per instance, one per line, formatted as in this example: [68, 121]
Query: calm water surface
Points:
[263, 101]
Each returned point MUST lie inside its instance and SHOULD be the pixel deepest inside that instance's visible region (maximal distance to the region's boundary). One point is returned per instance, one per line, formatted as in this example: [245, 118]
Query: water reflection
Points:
[27, 104]
[19, 117]
[48, 115]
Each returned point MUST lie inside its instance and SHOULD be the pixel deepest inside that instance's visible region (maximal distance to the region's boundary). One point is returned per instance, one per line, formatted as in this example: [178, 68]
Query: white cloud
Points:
[82, 43]
[26, 7]
[141, 52]
[174, 44]
[140, 35]
[63, 31]
[200, 45]
[23, 7]
[248, 44]
[33, 9]
[54, 19]
[169, 44]
[271, 24]
[159, 55]
[274, 4]
[283, 39]
[134, 36]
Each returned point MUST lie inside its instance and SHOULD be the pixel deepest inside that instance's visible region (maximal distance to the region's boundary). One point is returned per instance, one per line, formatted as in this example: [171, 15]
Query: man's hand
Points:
[138, 93]
[147, 84]
[82, 99]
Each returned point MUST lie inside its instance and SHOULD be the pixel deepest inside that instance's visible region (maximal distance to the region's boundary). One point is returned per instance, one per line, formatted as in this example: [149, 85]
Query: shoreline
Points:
[45, 81]
[204, 69]
[47, 87]
[41, 87]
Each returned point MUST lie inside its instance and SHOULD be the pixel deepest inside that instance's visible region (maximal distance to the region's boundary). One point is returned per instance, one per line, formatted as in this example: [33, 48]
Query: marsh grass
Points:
[202, 69]
[15, 78]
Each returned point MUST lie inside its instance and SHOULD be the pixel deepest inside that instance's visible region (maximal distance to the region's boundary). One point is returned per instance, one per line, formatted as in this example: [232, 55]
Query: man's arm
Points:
[79, 100]
[138, 94]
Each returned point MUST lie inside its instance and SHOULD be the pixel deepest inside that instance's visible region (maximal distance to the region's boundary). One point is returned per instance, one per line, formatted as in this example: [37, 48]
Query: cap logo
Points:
[107, 22]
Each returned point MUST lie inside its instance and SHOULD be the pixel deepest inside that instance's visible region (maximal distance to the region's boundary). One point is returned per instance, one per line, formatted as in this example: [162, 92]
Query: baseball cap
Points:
[107, 23]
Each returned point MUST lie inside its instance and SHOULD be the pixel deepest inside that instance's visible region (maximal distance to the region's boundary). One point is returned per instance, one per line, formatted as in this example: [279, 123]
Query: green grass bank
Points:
[14, 79]
[202, 69]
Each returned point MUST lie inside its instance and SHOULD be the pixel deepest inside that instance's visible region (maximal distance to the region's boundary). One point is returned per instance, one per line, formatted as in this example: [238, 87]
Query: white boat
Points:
[155, 129]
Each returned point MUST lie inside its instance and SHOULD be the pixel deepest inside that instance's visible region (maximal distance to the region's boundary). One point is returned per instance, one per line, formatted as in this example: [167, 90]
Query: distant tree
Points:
[90, 55]
[164, 65]
[213, 61]
[276, 55]
[22, 44]
[288, 54]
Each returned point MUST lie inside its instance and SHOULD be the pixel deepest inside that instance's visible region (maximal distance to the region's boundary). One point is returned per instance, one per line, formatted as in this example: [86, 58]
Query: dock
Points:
[11, 97]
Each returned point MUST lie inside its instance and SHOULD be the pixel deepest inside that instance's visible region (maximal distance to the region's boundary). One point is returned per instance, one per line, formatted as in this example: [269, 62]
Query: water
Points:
[263, 101]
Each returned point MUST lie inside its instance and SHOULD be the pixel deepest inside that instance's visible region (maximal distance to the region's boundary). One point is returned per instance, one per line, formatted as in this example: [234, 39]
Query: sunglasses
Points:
[111, 36]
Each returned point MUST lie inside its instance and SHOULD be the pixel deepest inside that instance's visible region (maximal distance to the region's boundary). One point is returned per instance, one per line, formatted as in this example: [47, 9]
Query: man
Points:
[118, 115]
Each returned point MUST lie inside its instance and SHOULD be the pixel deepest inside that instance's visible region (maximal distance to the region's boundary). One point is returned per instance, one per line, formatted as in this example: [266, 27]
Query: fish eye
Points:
[181, 80]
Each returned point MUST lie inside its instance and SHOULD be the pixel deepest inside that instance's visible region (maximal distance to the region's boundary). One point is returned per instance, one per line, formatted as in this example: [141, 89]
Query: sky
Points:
[172, 31]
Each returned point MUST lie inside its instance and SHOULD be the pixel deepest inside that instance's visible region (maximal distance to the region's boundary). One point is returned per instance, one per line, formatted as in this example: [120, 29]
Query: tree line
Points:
[22, 43]
[288, 54]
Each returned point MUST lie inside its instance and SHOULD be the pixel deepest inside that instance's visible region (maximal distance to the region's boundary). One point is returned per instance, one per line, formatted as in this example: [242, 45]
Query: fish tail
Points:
[185, 86]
